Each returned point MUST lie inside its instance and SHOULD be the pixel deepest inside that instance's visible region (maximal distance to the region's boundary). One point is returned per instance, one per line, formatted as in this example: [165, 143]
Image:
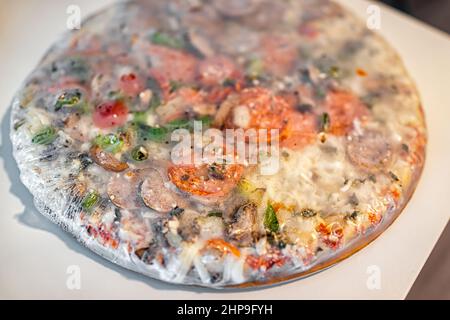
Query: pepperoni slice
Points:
[155, 195]
[279, 54]
[172, 65]
[343, 108]
[369, 150]
[123, 188]
[205, 180]
[300, 130]
[126, 189]
[215, 70]
[259, 108]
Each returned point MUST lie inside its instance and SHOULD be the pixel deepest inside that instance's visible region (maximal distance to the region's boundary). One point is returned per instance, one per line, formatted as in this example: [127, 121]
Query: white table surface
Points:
[35, 254]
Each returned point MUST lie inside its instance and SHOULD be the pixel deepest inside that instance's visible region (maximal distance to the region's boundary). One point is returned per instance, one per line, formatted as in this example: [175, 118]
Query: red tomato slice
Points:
[110, 114]
[202, 182]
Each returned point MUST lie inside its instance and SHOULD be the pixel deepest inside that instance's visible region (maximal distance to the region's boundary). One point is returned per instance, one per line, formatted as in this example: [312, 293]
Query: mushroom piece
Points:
[107, 160]
[129, 189]
[369, 151]
[211, 227]
[242, 229]
[155, 195]
[189, 227]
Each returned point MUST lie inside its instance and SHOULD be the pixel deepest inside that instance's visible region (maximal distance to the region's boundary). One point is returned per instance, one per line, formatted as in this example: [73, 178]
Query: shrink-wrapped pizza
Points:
[220, 143]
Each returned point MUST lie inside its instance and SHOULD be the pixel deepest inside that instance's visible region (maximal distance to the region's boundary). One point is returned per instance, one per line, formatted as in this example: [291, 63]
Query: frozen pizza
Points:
[98, 126]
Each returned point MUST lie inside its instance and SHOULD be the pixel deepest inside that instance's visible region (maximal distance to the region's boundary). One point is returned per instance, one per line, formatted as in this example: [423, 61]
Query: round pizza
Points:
[220, 143]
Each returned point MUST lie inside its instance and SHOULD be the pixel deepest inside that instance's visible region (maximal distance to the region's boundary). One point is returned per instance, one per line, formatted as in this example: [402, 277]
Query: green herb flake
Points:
[305, 76]
[394, 176]
[45, 136]
[324, 122]
[255, 68]
[405, 147]
[307, 213]
[179, 124]
[370, 100]
[334, 72]
[156, 101]
[115, 95]
[154, 86]
[188, 124]
[140, 117]
[320, 92]
[176, 212]
[175, 86]
[216, 172]
[354, 215]
[229, 83]
[139, 153]
[215, 214]
[90, 200]
[206, 121]
[271, 220]
[163, 39]
[281, 244]
[109, 142]
[156, 134]
[68, 99]
[18, 124]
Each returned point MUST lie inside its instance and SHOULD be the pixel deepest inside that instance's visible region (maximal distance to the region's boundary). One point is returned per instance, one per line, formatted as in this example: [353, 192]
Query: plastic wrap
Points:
[155, 61]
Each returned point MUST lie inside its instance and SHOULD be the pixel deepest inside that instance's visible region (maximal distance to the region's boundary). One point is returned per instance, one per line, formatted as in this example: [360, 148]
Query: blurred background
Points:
[434, 279]
[434, 12]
